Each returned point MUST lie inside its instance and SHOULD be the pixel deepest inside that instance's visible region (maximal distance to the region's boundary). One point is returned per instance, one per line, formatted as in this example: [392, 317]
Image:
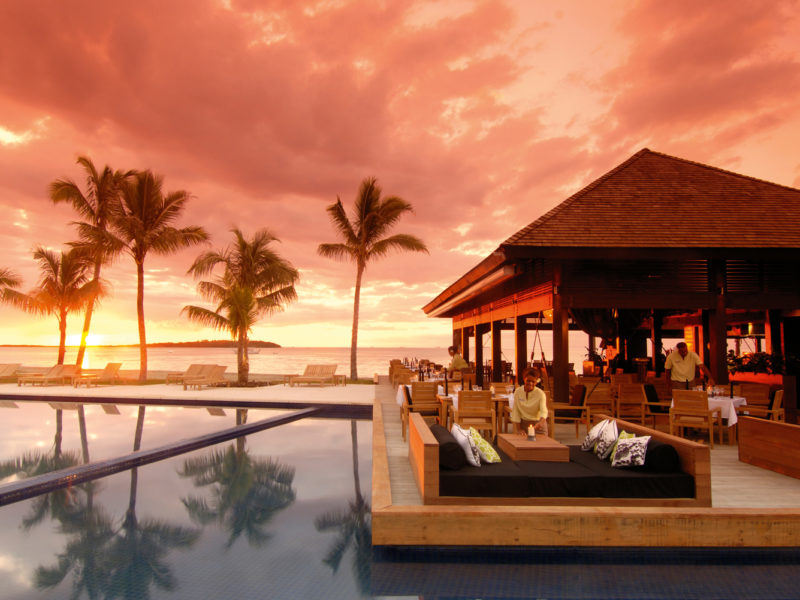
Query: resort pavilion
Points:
[659, 247]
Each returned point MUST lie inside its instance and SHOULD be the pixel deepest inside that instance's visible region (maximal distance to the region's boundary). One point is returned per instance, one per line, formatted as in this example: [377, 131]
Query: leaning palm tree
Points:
[8, 281]
[144, 225]
[95, 205]
[363, 239]
[63, 287]
[256, 281]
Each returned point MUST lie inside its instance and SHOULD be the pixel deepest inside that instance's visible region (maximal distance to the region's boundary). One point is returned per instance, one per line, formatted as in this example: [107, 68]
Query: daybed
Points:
[584, 480]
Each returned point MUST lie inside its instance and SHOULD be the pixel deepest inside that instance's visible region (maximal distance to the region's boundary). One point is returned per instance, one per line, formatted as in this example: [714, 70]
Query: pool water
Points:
[265, 518]
[284, 513]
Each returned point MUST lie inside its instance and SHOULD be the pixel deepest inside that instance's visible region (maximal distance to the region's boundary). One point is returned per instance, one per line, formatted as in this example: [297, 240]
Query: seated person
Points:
[530, 404]
[457, 363]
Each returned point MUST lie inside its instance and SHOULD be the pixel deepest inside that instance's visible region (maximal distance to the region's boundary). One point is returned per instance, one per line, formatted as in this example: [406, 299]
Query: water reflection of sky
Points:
[288, 565]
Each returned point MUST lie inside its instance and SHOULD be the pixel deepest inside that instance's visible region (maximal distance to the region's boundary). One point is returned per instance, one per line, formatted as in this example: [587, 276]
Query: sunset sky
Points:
[482, 114]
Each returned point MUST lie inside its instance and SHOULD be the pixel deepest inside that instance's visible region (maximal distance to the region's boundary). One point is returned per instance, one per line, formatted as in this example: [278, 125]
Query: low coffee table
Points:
[543, 448]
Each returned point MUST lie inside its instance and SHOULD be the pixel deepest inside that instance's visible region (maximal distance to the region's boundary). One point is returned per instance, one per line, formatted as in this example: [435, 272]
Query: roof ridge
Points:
[721, 170]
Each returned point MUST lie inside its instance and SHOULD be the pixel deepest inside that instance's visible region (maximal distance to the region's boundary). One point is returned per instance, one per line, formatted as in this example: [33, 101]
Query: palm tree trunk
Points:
[87, 320]
[243, 358]
[354, 337]
[140, 315]
[62, 336]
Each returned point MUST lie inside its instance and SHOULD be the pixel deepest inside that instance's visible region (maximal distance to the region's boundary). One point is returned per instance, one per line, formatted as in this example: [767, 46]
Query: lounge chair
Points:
[9, 371]
[320, 374]
[109, 375]
[56, 375]
[213, 377]
[194, 370]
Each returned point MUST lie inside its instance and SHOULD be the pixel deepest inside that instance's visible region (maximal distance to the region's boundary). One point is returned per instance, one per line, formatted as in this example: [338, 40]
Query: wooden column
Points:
[458, 335]
[773, 338]
[718, 326]
[560, 385]
[497, 354]
[480, 329]
[520, 346]
[658, 342]
[465, 343]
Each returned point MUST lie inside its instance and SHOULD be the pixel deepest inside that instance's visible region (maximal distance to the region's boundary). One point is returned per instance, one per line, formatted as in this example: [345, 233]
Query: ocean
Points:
[371, 360]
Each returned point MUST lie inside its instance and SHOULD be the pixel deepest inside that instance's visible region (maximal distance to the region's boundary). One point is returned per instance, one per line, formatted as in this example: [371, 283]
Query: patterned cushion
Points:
[488, 454]
[464, 440]
[623, 435]
[631, 452]
[591, 436]
[606, 440]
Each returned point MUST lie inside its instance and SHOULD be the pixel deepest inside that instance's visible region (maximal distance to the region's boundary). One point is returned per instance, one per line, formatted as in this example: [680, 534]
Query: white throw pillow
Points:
[606, 440]
[464, 440]
[592, 435]
[631, 452]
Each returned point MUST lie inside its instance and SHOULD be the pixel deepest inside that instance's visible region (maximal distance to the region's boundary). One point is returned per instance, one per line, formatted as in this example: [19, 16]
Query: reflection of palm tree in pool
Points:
[246, 492]
[354, 525]
[89, 532]
[136, 554]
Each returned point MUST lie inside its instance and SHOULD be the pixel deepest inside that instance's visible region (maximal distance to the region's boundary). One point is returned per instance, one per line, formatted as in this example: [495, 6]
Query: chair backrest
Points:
[578, 395]
[110, 370]
[690, 401]
[502, 387]
[777, 401]
[217, 372]
[474, 400]
[423, 390]
[757, 394]
[67, 371]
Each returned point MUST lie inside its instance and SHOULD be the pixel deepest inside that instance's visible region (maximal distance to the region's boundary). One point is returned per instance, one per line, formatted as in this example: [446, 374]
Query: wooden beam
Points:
[520, 346]
[497, 354]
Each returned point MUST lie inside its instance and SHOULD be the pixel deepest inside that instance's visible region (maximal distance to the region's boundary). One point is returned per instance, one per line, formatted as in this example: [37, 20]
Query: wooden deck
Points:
[751, 507]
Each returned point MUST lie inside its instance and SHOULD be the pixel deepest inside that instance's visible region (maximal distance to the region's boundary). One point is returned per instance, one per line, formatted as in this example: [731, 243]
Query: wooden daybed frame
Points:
[423, 453]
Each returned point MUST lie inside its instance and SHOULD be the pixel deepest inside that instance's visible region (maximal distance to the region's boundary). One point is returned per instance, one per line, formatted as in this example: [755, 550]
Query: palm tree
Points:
[63, 288]
[96, 206]
[144, 224]
[363, 239]
[256, 281]
[8, 281]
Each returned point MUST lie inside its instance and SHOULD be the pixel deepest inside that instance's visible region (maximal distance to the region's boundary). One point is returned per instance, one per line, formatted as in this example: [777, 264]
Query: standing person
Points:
[457, 361]
[680, 367]
[530, 404]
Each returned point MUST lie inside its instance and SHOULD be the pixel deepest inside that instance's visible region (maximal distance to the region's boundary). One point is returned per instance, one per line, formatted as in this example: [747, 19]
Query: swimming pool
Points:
[279, 516]
[258, 519]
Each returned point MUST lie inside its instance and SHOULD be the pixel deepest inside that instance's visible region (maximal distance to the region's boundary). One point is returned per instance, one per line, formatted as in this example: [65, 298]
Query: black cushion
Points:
[451, 454]
[661, 457]
[493, 480]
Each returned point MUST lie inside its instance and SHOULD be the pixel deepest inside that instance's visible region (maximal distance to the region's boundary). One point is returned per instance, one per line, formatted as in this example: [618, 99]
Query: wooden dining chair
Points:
[690, 409]
[476, 409]
[773, 411]
[757, 399]
[631, 401]
[429, 409]
[598, 397]
[576, 411]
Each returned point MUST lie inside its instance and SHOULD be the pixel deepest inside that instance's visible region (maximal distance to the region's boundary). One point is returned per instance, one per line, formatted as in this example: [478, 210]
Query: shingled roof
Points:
[654, 200]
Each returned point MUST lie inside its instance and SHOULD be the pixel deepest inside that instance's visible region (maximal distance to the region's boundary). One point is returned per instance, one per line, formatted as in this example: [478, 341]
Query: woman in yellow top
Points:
[530, 404]
[457, 363]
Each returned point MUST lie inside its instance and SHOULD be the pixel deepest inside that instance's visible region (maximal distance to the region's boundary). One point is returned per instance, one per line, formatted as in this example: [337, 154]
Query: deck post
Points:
[520, 346]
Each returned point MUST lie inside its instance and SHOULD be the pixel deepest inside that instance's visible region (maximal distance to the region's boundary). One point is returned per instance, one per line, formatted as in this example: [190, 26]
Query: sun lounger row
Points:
[69, 374]
[199, 375]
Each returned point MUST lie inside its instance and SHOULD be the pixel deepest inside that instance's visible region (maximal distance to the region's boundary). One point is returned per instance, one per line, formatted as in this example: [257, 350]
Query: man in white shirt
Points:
[680, 367]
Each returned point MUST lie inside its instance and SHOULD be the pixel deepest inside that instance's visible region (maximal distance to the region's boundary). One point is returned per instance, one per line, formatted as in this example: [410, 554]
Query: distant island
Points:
[211, 344]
